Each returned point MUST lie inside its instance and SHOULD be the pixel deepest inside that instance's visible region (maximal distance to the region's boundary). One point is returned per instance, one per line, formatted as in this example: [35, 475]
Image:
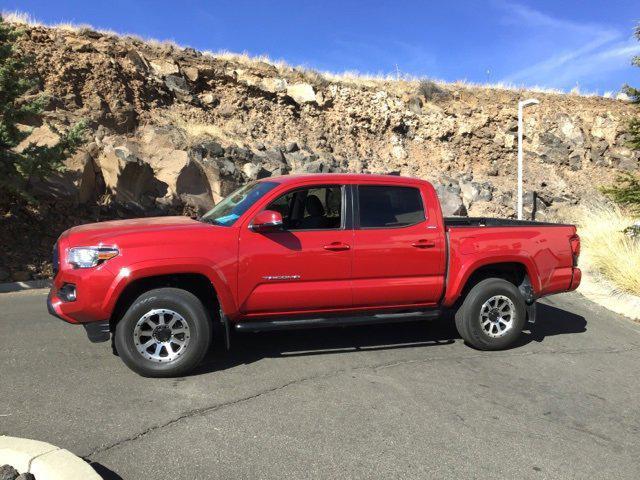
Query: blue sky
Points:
[557, 44]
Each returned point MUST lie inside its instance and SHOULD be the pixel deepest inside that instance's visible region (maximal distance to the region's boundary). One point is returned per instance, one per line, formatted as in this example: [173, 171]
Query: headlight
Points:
[87, 257]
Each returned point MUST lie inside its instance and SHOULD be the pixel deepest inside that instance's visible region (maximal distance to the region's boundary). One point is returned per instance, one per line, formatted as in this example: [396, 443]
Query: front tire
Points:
[164, 333]
[492, 315]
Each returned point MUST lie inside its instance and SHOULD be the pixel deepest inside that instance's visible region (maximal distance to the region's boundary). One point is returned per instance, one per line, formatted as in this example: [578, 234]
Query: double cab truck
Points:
[299, 252]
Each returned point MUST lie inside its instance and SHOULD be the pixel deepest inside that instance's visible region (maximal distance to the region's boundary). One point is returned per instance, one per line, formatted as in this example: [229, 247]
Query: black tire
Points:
[468, 316]
[185, 304]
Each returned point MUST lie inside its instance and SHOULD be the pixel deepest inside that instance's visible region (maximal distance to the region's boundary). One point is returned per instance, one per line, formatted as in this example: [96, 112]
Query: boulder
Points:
[450, 201]
[273, 85]
[254, 171]
[154, 170]
[209, 99]
[193, 187]
[191, 73]
[138, 61]
[7, 472]
[213, 149]
[177, 84]
[605, 129]
[251, 170]
[301, 93]
[470, 192]
[163, 67]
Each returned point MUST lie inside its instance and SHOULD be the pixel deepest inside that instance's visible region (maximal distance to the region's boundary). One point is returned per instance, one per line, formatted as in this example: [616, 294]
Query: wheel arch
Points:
[518, 272]
[195, 283]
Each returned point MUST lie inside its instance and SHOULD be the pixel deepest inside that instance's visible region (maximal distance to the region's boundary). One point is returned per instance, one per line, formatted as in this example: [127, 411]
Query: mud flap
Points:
[225, 327]
[97, 331]
[532, 311]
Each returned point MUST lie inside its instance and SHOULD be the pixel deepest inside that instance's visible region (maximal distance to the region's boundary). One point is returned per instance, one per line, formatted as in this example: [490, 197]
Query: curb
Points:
[43, 460]
[601, 291]
[19, 286]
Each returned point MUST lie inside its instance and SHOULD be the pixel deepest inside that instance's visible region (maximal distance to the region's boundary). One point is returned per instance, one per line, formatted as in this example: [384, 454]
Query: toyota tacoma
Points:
[299, 252]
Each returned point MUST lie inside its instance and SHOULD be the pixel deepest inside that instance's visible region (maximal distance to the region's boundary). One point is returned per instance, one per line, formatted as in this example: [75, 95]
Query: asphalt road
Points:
[397, 401]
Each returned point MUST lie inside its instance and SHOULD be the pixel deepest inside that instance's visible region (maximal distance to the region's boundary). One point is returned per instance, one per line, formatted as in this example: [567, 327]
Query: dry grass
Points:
[606, 249]
[20, 18]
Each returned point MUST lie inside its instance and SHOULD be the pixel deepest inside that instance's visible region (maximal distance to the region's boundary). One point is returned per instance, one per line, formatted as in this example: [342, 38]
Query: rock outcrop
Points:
[171, 127]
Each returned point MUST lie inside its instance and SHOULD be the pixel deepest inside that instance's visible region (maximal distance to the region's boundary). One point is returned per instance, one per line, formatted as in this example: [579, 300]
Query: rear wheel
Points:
[165, 333]
[492, 315]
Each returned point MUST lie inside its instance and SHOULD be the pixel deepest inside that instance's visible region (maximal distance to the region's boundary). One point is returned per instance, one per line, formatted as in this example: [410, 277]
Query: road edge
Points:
[20, 286]
[44, 460]
[601, 291]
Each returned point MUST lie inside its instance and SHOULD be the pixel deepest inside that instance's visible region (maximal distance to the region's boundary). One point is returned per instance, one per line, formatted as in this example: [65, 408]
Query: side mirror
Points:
[266, 221]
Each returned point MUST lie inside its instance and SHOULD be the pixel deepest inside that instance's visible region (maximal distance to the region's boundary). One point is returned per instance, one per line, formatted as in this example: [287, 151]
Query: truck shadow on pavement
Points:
[251, 347]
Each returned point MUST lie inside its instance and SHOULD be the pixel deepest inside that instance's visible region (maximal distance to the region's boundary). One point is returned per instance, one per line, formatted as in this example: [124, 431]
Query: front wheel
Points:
[492, 315]
[164, 333]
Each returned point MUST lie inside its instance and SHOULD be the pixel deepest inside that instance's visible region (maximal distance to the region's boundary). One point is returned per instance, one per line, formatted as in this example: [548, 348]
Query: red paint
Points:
[267, 273]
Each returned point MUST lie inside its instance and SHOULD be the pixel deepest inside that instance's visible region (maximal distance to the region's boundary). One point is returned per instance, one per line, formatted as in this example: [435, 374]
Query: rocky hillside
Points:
[174, 130]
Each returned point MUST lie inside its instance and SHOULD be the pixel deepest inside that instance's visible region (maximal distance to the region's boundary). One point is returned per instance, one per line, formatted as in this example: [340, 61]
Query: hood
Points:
[93, 234]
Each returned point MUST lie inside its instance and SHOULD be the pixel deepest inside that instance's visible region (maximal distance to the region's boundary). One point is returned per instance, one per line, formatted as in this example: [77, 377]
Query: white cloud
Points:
[573, 51]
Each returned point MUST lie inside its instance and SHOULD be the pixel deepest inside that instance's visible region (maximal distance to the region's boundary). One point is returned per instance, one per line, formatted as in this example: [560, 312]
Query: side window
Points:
[388, 207]
[314, 208]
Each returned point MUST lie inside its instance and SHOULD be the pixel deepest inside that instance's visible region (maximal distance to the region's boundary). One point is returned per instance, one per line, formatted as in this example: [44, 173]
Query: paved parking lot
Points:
[396, 401]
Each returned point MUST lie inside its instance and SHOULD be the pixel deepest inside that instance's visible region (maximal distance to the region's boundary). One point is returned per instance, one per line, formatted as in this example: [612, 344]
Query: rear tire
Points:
[165, 332]
[492, 315]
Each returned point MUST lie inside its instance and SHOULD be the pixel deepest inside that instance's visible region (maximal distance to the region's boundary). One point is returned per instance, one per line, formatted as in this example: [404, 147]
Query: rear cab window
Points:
[386, 206]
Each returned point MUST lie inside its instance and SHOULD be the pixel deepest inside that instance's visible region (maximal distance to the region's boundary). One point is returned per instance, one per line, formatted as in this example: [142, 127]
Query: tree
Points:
[634, 93]
[626, 190]
[18, 168]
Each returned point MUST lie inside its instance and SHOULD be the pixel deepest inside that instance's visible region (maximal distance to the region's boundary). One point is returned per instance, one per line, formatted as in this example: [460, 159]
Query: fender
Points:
[464, 270]
[168, 266]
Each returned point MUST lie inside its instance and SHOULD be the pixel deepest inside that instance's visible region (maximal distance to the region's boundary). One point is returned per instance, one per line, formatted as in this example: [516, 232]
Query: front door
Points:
[306, 266]
[399, 254]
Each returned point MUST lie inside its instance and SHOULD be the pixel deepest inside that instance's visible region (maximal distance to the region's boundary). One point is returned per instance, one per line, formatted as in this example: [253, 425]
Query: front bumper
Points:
[99, 331]
[88, 306]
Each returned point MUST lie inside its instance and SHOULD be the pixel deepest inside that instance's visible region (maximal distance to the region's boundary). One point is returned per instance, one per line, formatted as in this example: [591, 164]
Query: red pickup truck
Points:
[304, 251]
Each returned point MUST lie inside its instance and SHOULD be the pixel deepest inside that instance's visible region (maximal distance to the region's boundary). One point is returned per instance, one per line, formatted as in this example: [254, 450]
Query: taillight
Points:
[575, 249]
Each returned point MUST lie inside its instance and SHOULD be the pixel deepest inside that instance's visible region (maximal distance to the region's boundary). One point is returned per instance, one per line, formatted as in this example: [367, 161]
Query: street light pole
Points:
[521, 105]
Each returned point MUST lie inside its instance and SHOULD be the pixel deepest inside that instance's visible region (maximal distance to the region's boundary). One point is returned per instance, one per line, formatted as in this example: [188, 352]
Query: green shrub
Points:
[18, 168]
[634, 94]
[626, 190]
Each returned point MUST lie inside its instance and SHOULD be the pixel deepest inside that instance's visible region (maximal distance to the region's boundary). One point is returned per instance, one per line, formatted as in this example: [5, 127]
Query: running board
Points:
[266, 325]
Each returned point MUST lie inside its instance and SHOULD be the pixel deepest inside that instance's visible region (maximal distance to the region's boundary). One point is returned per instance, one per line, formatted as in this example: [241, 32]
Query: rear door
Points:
[399, 253]
[306, 266]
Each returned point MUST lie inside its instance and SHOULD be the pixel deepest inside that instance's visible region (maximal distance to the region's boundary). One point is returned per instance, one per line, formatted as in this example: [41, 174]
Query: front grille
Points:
[56, 259]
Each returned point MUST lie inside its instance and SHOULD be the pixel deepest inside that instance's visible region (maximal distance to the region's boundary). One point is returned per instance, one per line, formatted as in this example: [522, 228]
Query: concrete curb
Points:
[19, 286]
[601, 291]
[43, 460]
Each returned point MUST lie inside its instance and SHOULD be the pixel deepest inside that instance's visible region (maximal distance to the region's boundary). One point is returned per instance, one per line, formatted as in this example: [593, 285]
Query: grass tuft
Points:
[606, 249]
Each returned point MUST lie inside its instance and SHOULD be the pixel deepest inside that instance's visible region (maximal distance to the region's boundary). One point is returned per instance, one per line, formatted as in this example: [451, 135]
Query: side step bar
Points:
[267, 325]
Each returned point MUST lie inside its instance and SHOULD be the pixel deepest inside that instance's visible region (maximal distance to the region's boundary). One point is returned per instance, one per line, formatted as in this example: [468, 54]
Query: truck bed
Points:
[543, 248]
[495, 222]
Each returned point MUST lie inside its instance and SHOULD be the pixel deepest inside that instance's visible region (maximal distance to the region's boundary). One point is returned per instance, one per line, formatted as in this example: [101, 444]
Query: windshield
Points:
[229, 210]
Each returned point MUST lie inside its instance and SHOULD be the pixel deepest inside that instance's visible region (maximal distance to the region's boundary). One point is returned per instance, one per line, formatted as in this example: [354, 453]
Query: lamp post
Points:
[521, 105]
